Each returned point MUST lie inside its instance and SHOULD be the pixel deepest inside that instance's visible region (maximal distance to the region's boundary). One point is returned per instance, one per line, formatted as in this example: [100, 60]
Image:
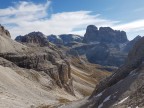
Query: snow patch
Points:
[106, 99]
[57, 36]
[133, 73]
[99, 95]
[122, 100]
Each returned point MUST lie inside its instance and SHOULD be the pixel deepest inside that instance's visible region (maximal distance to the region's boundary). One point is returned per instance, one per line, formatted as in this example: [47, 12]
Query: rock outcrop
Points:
[104, 34]
[35, 53]
[125, 87]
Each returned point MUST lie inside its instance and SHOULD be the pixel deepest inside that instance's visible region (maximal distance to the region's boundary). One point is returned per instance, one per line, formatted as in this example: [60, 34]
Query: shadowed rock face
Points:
[55, 39]
[37, 38]
[104, 34]
[101, 53]
[40, 56]
[125, 87]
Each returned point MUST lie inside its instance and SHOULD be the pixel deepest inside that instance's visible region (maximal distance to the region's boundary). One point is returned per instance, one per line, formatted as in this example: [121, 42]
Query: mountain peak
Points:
[104, 34]
[34, 38]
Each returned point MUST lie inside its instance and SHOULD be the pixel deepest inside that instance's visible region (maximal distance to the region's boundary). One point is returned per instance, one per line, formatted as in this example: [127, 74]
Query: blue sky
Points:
[71, 16]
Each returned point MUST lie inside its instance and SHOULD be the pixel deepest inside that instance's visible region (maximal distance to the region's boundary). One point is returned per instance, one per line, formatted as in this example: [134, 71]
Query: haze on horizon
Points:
[71, 16]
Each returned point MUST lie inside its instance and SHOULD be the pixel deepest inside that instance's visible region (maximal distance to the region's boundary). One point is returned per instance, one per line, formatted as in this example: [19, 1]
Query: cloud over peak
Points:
[25, 17]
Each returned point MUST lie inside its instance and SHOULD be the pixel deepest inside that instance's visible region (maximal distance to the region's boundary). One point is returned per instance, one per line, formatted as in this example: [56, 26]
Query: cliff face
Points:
[125, 87]
[104, 34]
[36, 53]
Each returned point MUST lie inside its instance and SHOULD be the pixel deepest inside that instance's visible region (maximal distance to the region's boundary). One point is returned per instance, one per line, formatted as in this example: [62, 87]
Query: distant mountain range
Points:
[103, 46]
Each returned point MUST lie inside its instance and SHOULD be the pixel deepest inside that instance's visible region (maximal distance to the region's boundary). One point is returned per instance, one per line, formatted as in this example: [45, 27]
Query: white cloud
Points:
[135, 25]
[133, 28]
[25, 17]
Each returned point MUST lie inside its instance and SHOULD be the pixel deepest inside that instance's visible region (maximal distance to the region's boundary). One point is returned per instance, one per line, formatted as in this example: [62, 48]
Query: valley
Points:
[39, 73]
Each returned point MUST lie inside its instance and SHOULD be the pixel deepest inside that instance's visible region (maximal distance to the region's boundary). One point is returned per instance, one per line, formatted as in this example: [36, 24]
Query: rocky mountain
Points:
[125, 87]
[36, 74]
[103, 46]
[30, 73]
[36, 38]
[104, 34]
[44, 58]
[64, 39]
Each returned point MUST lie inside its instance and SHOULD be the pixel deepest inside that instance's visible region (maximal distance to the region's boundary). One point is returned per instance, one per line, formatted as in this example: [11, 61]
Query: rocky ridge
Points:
[65, 39]
[125, 87]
